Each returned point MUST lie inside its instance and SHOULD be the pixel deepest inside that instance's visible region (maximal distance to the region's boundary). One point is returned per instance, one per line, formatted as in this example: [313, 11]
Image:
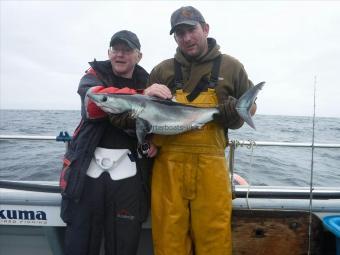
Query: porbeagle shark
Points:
[166, 117]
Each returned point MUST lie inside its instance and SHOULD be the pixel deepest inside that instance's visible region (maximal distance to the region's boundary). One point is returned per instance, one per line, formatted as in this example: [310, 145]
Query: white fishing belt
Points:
[114, 161]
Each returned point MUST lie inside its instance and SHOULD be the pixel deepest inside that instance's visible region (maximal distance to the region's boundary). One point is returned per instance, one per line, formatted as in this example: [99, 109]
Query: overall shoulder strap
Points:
[203, 83]
[215, 71]
[178, 82]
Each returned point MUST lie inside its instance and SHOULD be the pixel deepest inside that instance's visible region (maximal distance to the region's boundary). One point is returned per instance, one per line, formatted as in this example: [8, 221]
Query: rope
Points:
[231, 166]
[234, 144]
[251, 146]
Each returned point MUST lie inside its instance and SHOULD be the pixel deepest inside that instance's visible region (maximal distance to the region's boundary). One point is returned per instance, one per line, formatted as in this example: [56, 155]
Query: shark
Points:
[167, 117]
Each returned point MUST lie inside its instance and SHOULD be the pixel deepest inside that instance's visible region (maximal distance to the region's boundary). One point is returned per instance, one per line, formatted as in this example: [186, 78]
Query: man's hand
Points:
[152, 151]
[158, 90]
[123, 120]
[147, 149]
[228, 116]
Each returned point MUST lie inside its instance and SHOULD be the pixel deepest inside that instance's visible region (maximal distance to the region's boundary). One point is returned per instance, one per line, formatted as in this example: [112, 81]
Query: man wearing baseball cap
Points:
[191, 190]
[103, 181]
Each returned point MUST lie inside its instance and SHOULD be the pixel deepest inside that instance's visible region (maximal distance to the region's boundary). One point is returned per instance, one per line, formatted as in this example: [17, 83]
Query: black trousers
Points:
[113, 209]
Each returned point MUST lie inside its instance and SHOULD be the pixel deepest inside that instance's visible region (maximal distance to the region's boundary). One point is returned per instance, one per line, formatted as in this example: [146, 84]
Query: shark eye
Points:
[104, 98]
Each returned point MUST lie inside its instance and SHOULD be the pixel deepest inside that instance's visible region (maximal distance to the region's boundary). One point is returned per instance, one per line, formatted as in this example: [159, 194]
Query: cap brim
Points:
[187, 22]
[131, 45]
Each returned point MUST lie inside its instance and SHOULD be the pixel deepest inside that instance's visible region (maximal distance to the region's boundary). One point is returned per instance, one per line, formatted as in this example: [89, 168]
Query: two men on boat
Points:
[191, 190]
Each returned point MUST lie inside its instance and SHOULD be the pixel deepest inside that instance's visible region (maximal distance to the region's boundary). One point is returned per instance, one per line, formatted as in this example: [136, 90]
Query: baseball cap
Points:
[126, 36]
[185, 15]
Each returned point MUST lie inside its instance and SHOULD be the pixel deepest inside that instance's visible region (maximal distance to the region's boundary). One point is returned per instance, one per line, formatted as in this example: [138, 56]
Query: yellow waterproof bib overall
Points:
[191, 192]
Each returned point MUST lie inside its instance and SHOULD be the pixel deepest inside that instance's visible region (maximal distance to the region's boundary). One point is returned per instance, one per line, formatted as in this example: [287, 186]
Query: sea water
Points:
[282, 166]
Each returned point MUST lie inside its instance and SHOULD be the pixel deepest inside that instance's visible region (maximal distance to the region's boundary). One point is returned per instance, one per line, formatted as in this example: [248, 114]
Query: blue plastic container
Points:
[332, 223]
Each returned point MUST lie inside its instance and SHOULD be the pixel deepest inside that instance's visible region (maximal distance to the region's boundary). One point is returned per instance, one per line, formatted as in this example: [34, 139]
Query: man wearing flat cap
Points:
[191, 190]
[103, 181]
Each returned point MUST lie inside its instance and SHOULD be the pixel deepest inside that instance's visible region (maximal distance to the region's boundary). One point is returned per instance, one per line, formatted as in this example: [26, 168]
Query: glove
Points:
[228, 116]
[123, 120]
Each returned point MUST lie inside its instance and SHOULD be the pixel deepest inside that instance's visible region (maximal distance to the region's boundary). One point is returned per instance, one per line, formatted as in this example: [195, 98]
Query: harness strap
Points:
[215, 71]
[202, 84]
[178, 83]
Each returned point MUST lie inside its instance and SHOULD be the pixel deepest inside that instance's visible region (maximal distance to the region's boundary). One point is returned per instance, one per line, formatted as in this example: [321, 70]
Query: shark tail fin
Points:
[246, 116]
[245, 102]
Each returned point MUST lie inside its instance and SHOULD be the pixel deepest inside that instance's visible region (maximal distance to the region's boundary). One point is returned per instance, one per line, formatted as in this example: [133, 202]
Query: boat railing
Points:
[232, 143]
[28, 137]
[62, 137]
[240, 191]
[237, 143]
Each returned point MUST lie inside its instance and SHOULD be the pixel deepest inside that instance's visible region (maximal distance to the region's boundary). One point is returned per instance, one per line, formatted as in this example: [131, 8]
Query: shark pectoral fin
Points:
[143, 128]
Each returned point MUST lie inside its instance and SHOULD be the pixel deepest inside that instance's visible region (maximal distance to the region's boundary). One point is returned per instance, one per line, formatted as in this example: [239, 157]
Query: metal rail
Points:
[269, 192]
[249, 143]
[62, 137]
[237, 143]
[285, 192]
[27, 137]
[30, 186]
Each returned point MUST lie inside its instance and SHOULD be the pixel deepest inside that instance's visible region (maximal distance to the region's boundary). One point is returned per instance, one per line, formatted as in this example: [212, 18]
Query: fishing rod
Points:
[311, 177]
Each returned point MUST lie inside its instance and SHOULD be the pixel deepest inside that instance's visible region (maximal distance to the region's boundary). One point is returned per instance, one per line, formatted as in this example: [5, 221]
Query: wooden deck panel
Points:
[261, 232]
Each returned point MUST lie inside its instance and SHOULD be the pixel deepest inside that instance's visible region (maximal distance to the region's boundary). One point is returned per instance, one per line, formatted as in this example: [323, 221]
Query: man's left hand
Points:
[152, 151]
[158, 90]
[228, 116]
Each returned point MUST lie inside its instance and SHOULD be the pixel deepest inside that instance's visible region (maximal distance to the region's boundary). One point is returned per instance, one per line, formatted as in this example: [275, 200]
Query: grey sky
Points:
[45, 47]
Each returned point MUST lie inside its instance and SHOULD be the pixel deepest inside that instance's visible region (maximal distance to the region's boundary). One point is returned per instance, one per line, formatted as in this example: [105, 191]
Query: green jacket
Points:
[233, 79]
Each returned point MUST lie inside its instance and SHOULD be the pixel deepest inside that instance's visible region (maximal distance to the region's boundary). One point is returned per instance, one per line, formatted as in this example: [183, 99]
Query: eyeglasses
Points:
[126, 51]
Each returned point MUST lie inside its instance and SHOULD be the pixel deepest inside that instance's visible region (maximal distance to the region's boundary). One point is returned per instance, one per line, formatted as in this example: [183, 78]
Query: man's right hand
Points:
[158, 90]
[123, 120]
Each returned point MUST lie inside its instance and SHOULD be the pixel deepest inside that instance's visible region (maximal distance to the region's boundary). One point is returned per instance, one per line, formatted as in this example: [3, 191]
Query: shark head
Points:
[111, 103]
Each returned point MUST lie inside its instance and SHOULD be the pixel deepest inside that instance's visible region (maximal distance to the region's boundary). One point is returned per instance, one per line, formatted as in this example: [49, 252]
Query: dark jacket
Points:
[88, 134]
